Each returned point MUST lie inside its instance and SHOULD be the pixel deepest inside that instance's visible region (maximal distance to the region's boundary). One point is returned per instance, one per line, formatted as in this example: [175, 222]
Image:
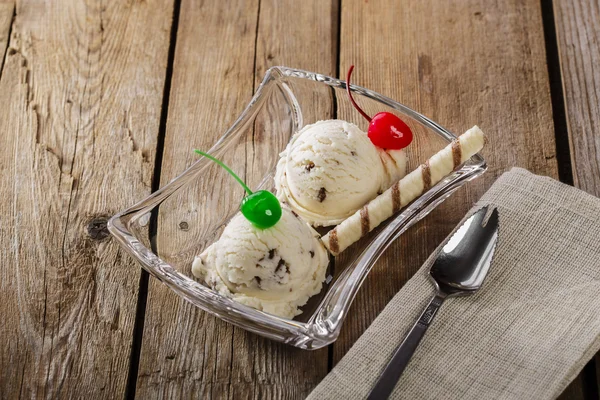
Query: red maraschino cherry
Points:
[385, 129]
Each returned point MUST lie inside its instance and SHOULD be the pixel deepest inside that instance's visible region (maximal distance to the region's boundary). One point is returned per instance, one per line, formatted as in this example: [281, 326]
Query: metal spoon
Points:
[459, 270]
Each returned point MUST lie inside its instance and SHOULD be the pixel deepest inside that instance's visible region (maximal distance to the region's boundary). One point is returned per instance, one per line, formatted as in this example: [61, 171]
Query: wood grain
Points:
[578, 40]
[6, 16]
[185, 351]
[80, 102]
[479, 63]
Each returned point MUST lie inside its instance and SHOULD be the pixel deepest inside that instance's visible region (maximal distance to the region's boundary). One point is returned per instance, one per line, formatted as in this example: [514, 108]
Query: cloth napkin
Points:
[525, 335]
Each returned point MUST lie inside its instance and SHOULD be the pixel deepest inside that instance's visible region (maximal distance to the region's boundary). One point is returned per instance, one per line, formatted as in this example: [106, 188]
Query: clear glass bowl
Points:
[166, 230]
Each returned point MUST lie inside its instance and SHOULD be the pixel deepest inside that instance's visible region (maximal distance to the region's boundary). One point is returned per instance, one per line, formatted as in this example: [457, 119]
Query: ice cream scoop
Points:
[275, 270]
[330, 169]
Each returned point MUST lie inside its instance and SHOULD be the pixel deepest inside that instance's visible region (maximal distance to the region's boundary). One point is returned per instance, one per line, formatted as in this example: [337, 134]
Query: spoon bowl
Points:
[465, 259]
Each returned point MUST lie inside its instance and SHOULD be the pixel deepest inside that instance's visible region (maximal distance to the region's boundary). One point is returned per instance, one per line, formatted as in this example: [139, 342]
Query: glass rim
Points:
[322, 327]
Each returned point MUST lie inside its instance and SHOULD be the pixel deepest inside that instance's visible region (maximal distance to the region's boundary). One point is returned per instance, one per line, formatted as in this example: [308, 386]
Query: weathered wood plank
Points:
[477, 63]
[187, 352]
[80, 101]
[306, 39]
[578, 39]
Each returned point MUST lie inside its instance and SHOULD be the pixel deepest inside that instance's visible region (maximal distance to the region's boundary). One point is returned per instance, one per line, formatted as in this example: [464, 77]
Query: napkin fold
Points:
[526, 334]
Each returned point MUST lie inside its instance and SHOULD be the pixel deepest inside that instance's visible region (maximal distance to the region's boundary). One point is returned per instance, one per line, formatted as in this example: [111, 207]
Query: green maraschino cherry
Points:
[261, 208]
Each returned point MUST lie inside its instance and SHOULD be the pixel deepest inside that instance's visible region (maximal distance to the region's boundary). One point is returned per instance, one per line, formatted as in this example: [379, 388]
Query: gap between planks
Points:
[140, 313]
[338, 27]
[8, 34]
[561, 133]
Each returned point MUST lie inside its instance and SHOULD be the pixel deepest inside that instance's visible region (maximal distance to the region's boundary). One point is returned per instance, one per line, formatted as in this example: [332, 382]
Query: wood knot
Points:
[97, 228]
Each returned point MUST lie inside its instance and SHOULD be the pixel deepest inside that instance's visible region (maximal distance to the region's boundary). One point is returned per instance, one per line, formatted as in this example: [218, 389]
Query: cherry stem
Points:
[360, 110]
[226, 168]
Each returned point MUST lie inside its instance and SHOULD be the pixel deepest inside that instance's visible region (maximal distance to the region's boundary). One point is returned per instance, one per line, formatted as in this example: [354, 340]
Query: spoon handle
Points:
[389, 377]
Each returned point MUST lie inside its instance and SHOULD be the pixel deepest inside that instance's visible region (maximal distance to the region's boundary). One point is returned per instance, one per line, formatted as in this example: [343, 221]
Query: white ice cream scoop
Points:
[330, 169]
[275, 270]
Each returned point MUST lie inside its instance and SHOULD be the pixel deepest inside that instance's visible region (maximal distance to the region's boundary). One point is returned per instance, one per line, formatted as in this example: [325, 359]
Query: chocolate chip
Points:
[312, 254]
[271, 254]
[280, 264]
[184, 226]
[258, 280]
[295, 214]
[309, 166]
[261, 259]
[353, 153]
[322, 194]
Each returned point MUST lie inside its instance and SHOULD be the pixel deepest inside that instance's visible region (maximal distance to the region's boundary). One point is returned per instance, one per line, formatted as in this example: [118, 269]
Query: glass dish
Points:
[166, 230]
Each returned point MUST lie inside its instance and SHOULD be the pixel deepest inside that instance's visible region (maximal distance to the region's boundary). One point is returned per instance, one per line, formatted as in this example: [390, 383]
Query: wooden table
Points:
[101, 100]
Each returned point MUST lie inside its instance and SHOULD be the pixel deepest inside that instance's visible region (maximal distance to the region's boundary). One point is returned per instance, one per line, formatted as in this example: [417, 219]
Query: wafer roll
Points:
[404, 191]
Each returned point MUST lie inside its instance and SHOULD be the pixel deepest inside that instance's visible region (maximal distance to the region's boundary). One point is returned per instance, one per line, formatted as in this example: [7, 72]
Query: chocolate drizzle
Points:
[456, 153]
[364, 220]
[333, 241]
[396, 201]
[426, 175]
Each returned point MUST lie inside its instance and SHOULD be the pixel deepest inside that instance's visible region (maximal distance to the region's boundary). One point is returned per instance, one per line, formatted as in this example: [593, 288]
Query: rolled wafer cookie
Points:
[404, 191]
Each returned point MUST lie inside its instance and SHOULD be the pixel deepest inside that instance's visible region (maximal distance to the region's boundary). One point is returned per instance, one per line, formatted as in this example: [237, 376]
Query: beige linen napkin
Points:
[525, 335]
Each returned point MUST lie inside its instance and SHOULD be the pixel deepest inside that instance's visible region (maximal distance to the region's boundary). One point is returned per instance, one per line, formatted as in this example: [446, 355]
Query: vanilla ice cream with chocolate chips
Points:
[275, 270]
[331, 169]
